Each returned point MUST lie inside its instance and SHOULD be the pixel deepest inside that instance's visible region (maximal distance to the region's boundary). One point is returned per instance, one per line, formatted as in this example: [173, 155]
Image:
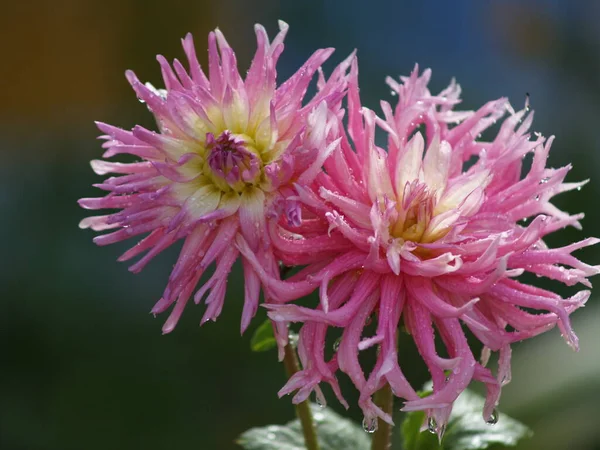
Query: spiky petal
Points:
[220, 167]
[433, 232]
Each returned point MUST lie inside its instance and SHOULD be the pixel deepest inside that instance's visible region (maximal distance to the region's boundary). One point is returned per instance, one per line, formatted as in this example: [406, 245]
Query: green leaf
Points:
[263, 338]
[466, 429]
[333, 431]
[412, 437]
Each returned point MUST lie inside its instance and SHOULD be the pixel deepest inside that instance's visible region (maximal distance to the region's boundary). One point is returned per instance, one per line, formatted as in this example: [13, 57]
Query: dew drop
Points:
[319, 402]
[579, 188]
[544, 180]
[293, 339]
[393, 93]
[493, 419]
[432, 425]
[441, 433]
[369, 425]
[336, 344]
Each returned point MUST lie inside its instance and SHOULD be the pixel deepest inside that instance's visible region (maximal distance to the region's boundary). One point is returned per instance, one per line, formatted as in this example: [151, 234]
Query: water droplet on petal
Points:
[579, 188]
[432, 425]
[369, 425]
[336, 344]
[293, 339]
[544, 180]
[441, 432]
[493, 419]
[319, 401]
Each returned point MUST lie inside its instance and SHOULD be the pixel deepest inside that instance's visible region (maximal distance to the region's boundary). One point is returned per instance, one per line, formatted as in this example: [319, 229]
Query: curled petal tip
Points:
[131, 76]
[168, 328]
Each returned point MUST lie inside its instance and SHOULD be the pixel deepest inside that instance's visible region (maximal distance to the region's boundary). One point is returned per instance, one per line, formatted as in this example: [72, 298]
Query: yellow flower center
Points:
[232, 162]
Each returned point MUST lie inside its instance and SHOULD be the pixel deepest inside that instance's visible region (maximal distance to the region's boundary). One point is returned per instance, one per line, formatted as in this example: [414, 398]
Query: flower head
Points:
[432, 233]
[221, 165]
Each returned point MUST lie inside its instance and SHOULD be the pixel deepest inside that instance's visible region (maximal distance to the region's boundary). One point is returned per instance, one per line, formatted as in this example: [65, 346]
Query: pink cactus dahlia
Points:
[434, 234]
[221, 165]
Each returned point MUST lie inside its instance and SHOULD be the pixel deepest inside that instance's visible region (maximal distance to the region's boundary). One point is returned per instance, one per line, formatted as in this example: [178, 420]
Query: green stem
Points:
[382, 439]
[303, 412]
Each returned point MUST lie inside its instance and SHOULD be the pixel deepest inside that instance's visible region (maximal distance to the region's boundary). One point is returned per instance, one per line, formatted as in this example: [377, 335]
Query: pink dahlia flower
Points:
[434, 234]
[221, 165]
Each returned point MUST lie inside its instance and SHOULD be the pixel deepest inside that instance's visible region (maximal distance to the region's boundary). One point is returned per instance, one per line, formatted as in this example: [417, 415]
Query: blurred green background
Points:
[83, 364]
